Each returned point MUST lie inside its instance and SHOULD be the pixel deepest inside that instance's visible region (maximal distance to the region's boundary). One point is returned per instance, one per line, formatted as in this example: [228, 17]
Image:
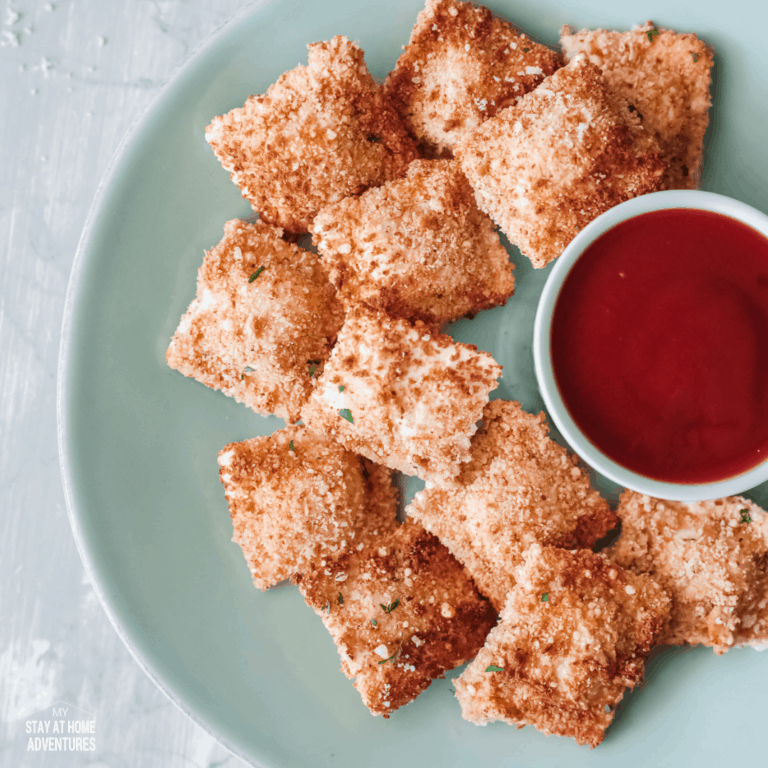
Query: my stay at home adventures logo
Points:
[61, 727]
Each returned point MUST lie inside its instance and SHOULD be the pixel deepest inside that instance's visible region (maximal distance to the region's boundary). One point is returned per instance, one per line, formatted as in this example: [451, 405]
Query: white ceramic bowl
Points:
[704, 201]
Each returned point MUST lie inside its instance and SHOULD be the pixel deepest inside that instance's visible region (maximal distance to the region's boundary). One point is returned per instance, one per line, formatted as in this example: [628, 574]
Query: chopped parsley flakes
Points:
[374, 622]
[745, 516]
[248, 369]
[651, 33]
[391, 607]
[545, 597]
[341, 387]
[345, 413]
[256, 274]
[373, 138]
[695, 56]
[494, 668]
[391, 658]
[290, 446]
[312, 369]
[341, 599]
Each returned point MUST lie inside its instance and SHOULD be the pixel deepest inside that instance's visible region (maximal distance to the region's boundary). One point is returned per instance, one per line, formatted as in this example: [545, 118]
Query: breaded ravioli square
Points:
[295, 496]
[321, 132]
[417, 247]
[401, 395]
[566, 153]
[262, 324]
[402, 612]
[518, 488]
[574, 634]
[460, 67]
[712, 559]
[665, 76]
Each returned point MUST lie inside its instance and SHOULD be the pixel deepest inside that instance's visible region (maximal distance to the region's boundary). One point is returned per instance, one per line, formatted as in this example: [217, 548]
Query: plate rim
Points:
[63, 375]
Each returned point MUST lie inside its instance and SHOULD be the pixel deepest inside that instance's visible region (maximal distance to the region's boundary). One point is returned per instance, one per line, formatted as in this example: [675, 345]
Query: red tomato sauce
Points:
[660, 345]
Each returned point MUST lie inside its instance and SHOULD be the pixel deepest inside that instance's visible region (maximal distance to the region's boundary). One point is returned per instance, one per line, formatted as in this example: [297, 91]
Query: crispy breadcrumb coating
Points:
[518, 488]
[417, 247]
[402, 612]
[262, 324]
[665, 76]
[574, 633]
[460, 67]
[401, 395]
[568, 151]
[321, 132]
[295, 496]
[712, 559]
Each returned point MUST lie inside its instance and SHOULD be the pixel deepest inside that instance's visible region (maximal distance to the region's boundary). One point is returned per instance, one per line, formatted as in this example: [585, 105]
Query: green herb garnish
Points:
[745, 517]
[256, 274]
[494, 668]
[374, 622]
[391, 607]
[651, 33]
[373, 138]
[312, 369]
[525, 50]
[290, 446]
[391, 658]
[545, 597]
[248, 369]
[341, 599]
[695, 56]
[341, 387]
[345, 413]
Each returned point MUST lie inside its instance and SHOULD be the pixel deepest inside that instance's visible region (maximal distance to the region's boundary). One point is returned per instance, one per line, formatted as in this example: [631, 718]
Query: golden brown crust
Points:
[461, 66]
[574, 633]
[402, 395]
[568, 151]
[321, 132]
[666, 77]
[257, 340]
[416, 248]
[295, 496]
[436, 619]
[518, 488]
[712, 563]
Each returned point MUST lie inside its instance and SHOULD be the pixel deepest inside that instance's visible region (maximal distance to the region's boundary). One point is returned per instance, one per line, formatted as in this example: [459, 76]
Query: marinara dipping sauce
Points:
[659, 345]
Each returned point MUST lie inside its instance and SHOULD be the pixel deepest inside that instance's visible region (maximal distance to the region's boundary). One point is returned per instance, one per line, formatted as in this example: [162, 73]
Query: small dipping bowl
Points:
[616, 462]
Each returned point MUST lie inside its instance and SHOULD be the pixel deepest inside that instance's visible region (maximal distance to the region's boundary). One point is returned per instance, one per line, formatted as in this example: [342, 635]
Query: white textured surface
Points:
[74, 75]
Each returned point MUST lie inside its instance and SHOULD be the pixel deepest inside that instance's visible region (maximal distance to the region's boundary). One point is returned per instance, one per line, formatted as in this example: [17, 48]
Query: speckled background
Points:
[74, 75]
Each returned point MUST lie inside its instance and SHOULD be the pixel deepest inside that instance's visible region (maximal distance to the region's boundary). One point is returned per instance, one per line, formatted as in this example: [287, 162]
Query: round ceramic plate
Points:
[139, 441]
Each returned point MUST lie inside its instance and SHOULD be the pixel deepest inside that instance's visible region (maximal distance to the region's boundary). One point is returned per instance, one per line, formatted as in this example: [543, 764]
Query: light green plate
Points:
[139, 441]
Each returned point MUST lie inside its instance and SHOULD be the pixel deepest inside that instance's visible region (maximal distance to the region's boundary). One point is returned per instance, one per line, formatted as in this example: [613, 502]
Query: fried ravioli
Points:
[401, 395]
[321, 132]
[519, 487]
[461, 66]
[262, 324]
[416, 248]
[295, 496]
[712, 559]
[568, 151]
[665, 76]
[402, 612]
[574, 634]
